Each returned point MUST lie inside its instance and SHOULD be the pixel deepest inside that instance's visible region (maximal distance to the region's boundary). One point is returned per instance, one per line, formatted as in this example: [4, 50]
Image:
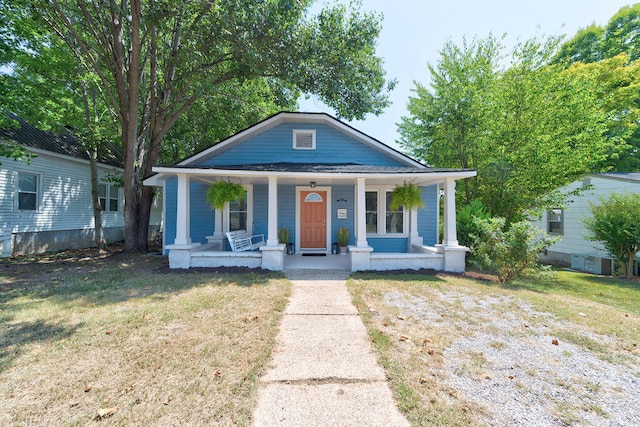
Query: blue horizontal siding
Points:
[276, 145]
[287, 209]
[201, 214]
[427, 216]
[388, 244]
[343, 197]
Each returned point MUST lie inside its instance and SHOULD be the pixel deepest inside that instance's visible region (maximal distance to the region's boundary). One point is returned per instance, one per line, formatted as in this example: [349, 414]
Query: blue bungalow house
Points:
[314, 175]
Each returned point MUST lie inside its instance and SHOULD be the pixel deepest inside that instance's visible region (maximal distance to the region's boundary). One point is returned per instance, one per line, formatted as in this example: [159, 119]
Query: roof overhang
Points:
[208, 175]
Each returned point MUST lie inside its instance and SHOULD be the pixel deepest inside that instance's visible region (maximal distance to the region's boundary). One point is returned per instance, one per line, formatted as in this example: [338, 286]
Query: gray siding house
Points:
[574, 248]
[45, 204]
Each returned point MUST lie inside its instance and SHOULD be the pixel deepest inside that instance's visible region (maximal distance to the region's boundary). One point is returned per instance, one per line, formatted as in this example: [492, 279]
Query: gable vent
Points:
[304, 139]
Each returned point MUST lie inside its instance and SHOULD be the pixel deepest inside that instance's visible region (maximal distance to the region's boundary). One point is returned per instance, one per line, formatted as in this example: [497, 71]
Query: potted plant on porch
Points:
[283, 237]
[343, 240]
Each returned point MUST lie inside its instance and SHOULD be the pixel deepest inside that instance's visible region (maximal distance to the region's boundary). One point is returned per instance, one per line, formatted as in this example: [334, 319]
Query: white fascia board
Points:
[242, 173]
[157, 180]
[41, 152]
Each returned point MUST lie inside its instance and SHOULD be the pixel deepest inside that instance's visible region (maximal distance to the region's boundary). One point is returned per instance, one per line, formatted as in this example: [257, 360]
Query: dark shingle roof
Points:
[319, 168]
[67, 145]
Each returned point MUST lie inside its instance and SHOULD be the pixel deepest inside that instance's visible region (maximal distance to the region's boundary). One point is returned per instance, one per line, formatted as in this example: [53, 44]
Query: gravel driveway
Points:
[509, 361]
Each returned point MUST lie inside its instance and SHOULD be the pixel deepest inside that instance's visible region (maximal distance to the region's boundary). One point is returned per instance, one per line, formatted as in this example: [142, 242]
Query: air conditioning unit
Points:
[591, 263]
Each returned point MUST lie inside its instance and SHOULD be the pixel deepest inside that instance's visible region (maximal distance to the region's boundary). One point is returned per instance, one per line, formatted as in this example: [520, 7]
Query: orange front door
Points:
[313, 219]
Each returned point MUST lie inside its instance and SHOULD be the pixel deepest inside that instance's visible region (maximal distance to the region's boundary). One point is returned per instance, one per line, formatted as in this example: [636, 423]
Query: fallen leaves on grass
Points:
[106, 412]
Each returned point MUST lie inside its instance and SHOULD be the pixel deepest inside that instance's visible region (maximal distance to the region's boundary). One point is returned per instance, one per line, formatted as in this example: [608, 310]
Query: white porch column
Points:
[450, 236]
[272, 235]
[217, 224]
[361, 217]
[183, 234]
[414, 238]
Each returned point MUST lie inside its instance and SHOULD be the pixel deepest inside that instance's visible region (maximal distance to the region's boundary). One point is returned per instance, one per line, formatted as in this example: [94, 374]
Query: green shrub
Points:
[512, 252]
[465, 221]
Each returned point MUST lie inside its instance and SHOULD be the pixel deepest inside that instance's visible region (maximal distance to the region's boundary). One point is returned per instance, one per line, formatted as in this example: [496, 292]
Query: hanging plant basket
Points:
[408, 196]
[221, 192]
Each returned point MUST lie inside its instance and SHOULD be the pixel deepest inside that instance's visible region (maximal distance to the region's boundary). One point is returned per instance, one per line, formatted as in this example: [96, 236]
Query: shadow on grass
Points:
[80, 282]
[114, 278]
[426, 275]
[16, 336]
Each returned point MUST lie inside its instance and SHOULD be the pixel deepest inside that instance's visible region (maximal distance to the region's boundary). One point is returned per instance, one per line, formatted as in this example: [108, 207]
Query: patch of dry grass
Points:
[447, 309]
[123, 335]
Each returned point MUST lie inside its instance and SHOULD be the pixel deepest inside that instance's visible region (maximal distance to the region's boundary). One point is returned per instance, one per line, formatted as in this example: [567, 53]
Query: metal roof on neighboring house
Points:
[67, 145]
[627, 176]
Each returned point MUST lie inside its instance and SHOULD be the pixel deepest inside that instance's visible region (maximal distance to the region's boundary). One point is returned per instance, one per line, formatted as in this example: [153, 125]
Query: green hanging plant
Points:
[407, 196]
[221, 192]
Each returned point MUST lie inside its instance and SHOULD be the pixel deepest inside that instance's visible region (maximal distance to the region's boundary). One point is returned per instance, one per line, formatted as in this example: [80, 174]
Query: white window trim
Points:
[39, 191]
[382, 191]
[225, 223]
[107, 204]
[560, 221]
[300, 131]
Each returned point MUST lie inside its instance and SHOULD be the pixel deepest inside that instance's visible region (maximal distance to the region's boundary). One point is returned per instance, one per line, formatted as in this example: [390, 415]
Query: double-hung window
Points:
[555, 222]
[238, 213]
[28, 184]
[109, 196]
[380, 219]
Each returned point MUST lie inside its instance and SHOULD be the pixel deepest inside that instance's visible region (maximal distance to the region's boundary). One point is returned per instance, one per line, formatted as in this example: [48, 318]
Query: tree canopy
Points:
[153, 60]
[528, 128]
[614, 222]
[620, 38]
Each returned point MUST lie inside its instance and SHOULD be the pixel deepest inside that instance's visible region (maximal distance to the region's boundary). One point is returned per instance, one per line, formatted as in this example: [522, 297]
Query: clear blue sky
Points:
[414, 31]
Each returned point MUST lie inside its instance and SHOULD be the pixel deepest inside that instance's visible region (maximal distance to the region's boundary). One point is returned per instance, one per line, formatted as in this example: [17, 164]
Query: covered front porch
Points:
[276, 197]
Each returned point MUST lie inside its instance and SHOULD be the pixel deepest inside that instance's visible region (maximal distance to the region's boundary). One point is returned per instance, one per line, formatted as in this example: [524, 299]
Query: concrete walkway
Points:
[323, 371]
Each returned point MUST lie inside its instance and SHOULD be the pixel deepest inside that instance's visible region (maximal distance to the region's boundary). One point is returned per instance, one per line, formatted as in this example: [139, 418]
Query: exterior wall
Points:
[276, 145]
[343, 197]
[64, 218]
[428, 216]
[573, 240]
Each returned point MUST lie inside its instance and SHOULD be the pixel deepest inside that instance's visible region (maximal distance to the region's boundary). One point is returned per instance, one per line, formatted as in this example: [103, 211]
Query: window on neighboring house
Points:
[109, 196]
[371, 211]
[555, 221]
[114, 198]
[304, 139]
[102, 196]
[27, 191]
[394, 219]
[381, 220]
[237, 214]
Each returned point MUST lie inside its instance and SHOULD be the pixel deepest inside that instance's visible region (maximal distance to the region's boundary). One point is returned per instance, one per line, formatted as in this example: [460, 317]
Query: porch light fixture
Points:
[313, 184]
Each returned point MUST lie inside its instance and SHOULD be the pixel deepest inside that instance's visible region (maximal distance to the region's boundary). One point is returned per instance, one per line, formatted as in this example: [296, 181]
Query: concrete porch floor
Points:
[328, 262]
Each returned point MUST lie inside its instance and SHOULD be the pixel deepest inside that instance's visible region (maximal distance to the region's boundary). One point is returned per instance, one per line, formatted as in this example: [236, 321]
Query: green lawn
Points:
[81, 333]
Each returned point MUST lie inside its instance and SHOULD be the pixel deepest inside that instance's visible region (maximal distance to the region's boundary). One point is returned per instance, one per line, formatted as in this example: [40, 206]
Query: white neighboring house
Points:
[45, 205]
[573, 248]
